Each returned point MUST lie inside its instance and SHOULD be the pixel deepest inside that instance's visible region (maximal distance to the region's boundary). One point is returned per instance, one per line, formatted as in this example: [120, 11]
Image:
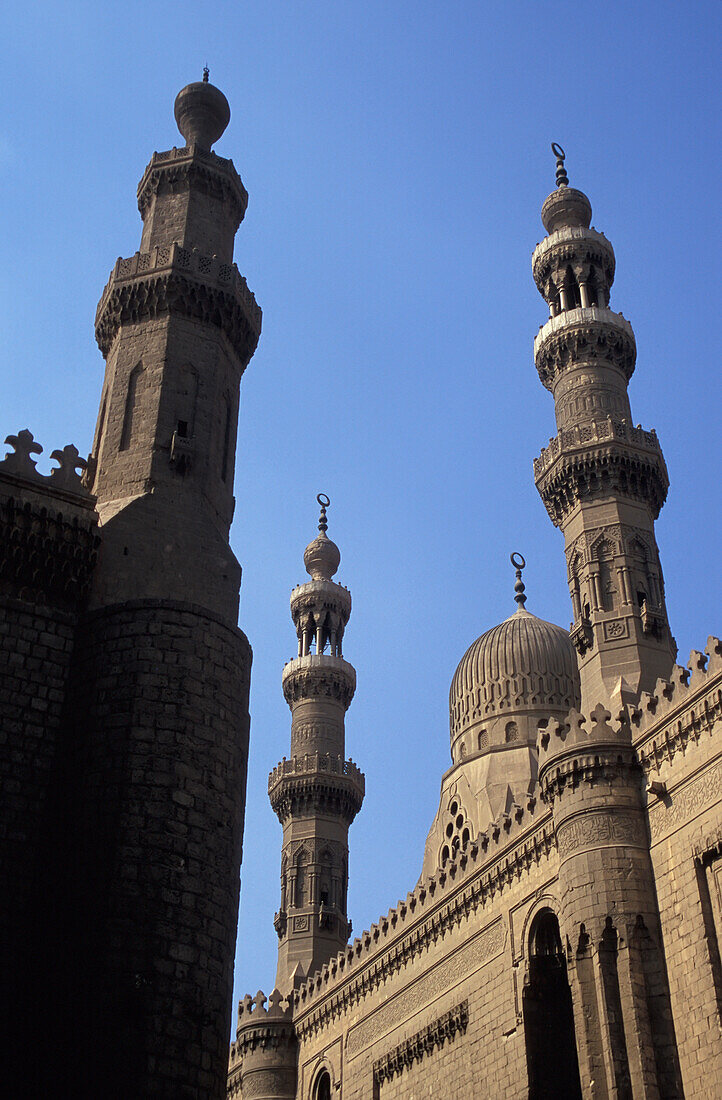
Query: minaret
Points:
[317, 792]
[158, 726]
[602, 479]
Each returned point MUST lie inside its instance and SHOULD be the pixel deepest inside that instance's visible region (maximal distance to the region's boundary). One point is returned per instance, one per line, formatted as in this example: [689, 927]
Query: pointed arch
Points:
[130, 414]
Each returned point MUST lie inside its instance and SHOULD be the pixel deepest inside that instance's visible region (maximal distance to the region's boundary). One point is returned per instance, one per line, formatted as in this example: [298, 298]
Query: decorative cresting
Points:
[590, 775]
[48, 526]
[600, 473]
[317, 792]
[523, 669]
[263, 1057]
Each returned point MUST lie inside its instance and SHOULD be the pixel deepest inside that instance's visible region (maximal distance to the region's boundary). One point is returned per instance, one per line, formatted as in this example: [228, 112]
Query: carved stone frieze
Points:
[426, 1041]
[584, 335]
[686, 803]
[434, 983]
[317, 792]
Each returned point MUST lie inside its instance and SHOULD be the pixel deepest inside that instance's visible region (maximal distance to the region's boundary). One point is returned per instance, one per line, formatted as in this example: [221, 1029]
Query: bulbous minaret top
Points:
[202, 113]
[565, 207]
[322, 557]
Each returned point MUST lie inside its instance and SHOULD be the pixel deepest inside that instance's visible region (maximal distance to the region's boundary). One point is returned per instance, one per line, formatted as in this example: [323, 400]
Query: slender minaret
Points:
[317, 792]
[158, 722]
[603, 481]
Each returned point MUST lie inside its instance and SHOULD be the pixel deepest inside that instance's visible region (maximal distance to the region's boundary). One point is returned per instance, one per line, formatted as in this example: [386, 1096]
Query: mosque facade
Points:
[563, 937]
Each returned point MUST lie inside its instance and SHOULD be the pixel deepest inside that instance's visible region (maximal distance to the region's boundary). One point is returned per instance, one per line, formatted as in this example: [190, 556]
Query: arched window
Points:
[226, 451]
[322, 1088]
[131, 404]
[548, 1015]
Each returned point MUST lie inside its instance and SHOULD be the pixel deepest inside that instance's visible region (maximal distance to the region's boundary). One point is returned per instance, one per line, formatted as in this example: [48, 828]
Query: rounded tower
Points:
[602, 479]
[159, 692]
[316, 793]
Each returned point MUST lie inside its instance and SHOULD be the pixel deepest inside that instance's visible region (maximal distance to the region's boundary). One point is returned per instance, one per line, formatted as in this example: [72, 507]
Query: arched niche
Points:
[551, 1048]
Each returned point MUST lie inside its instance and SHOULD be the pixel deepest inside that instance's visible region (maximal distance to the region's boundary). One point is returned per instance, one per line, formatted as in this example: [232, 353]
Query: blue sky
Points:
[396, 156]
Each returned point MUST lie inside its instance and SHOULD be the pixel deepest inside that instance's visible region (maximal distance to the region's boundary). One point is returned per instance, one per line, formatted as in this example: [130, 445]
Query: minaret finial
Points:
[518, 562]
[206, 74]
[562, 177]
[325, 503]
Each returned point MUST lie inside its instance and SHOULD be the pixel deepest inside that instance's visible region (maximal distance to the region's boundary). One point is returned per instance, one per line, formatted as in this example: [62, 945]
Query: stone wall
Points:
[679, 737]
[160, 718]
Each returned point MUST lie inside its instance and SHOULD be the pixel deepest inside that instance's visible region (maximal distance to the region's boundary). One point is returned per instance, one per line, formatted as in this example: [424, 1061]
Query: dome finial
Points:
[206, 74]
[562, 177]
[325, 503]
[518, 562]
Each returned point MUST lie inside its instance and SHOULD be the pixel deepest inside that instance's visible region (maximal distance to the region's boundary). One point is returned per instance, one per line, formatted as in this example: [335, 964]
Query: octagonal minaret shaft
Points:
[603, 481]
[317, 792]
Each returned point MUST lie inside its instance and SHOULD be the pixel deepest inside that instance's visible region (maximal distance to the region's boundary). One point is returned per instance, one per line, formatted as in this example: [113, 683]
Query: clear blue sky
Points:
[396, 156]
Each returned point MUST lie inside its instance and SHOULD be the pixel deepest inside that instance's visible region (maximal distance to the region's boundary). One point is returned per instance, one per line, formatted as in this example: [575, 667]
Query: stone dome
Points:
[514, 675]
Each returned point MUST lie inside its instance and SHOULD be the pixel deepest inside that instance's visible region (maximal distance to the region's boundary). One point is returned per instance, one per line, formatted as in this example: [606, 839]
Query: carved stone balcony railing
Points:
[316, 780]
[599, 431]
[316, 762]
[172, 278]
[176, 168]
[571, 243]
[583, 335]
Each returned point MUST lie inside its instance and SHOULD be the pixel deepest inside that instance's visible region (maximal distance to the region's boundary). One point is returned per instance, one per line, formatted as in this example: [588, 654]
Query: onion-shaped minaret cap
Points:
[202, 113]
[322, 557]
[565, 206]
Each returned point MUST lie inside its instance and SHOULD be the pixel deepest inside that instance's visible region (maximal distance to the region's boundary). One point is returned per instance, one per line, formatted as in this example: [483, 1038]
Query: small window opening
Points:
[182, 429]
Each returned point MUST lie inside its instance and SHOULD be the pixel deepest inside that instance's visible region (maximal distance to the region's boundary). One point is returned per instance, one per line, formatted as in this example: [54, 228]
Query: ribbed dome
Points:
[523, 665]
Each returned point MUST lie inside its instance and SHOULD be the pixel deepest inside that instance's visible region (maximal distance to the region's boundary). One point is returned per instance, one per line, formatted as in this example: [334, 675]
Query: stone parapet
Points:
[571, 244]
[319, 675]
[169, 279]
[48, 526]
[583, 750]
[587, 334]
[680, 710]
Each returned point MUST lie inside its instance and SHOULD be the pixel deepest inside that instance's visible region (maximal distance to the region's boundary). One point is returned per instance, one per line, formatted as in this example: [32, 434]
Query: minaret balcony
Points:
[572, 244]
[314, 782]
[584, 335]
[170, 278]
[319, 675]
[603, 457]
[320, 595]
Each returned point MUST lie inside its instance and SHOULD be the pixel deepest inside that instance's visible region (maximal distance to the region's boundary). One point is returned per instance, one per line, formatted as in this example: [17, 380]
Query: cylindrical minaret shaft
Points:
[317, 792]
[603, 481]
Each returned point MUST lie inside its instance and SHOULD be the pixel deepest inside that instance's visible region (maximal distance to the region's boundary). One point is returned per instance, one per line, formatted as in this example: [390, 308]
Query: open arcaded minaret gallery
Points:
[316, 793]
[602, 479]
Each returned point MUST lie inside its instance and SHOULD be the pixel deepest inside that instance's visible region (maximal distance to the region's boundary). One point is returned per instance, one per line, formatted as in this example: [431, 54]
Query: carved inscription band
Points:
[484, 947]
[687, 803]
[589, 830]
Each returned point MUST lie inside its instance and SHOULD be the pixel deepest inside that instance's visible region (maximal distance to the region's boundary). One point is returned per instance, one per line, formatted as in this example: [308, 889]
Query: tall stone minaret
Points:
[159, 723]
[317, 792]
[602, 479]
